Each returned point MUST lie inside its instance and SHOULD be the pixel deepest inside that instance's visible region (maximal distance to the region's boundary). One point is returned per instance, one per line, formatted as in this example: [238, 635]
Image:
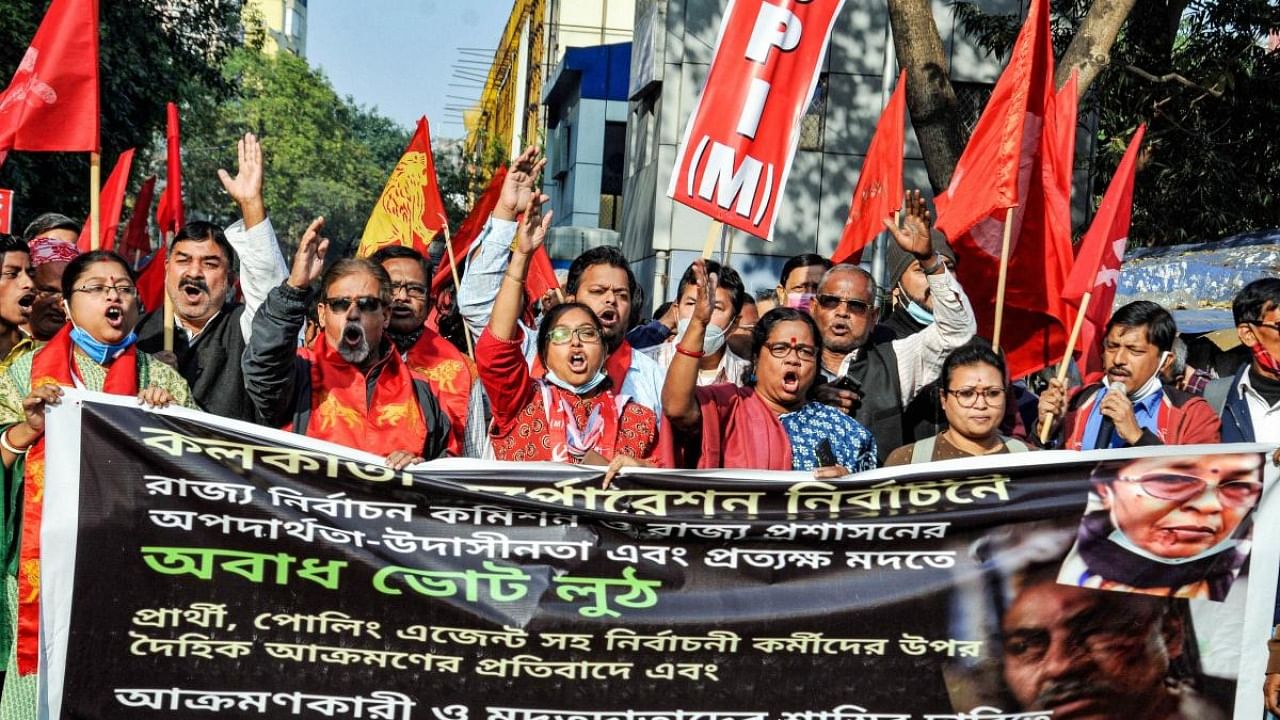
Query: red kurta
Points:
[738, 431]
[449, 373]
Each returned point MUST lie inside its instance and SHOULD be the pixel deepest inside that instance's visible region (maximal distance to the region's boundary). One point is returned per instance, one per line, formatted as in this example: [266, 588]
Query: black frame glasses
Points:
[853, 305]
[967, 397]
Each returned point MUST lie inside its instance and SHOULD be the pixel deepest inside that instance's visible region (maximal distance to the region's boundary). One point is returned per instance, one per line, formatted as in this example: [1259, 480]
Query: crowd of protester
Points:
[824, 373]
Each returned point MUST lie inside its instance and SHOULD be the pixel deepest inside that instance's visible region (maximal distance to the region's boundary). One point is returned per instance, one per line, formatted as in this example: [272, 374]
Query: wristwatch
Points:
[938, 264]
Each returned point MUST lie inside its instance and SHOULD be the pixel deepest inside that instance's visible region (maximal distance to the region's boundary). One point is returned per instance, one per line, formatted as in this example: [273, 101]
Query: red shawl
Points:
[342, 412]
[52, 365]
[738, 431]
[450, 375]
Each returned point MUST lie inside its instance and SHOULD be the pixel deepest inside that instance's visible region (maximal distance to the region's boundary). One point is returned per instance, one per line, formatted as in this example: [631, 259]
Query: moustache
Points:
[197, 283]
[1061, 693]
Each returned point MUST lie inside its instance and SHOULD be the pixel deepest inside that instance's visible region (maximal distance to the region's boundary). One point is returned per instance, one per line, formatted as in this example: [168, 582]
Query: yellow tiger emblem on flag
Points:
[397, 217]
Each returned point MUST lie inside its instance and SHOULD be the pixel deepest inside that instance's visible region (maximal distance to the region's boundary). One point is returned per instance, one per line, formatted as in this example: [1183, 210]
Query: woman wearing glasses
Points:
[572, 414]
[97, 351]
[771, 426]
[973, 391]
[1168, 525]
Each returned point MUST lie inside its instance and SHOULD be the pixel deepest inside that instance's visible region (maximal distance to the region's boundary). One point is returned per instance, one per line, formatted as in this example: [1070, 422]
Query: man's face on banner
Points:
[1181, 507]
[1089, 654]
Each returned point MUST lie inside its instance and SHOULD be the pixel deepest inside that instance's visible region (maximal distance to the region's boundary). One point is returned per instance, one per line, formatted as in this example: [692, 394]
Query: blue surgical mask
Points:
[711, 342]
[582, 389]
[101, 352]
[918, 313]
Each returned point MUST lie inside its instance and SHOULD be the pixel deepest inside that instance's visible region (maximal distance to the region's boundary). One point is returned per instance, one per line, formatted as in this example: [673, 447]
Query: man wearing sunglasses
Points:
[1174, 526]
[875, 382]
[351, 387]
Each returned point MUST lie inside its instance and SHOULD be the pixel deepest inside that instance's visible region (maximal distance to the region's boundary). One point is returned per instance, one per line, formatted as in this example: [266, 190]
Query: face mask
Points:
[1119, 538]
[1265, 359]
[918, 313]
[801, 301]
[711, 342]
[1153, 384]
[582, 389]
[100, 352]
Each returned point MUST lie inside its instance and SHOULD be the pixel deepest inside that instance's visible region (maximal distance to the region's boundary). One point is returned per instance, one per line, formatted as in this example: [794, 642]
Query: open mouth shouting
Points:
[791, 382]
[115, 317]
[578, 362]
[608, 318]
[193, 289]
[25, 302]
[353, 335]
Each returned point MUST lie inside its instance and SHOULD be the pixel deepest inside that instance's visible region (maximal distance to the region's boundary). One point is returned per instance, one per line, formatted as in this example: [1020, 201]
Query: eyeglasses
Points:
[562, 334]
[122, 291]
[968, 397]
[855, 307]
[364, 303]
[781, 350]
[417, 291]
[1273, 326]
[1181, 488]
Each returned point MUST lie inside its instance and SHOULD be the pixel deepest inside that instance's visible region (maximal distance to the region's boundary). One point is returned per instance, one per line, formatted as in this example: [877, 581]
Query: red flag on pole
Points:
[879, 190]
[1097, 266]
[135, 243]
[1005, 166]
[542, 275]
[410, 211]
[151, 281]
[112, 205]
[52, 102]
[170, 214]
[469, 231]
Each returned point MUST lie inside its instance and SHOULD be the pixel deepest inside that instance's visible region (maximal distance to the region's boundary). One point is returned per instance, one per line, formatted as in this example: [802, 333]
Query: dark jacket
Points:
[210, 364]
[881, 408]
[278, 379]
[1224, 395]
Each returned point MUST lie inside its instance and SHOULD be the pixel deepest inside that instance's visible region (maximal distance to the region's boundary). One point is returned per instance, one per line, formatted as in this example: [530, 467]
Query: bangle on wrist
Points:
[690, 353]
[4, 443]
[938, 263]
[516, 278]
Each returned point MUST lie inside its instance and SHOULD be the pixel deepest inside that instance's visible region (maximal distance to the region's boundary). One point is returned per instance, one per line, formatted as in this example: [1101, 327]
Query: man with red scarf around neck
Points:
[350, 387]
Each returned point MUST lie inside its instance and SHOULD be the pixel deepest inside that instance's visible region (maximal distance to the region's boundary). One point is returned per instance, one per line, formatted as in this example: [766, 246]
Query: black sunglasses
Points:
[364, 303]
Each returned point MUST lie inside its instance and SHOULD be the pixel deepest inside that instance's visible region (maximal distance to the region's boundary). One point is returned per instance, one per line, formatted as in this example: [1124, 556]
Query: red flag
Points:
[151, 281]
[1007, 165]
[469, 231]
[542, 275]
[410, 211]
[52, 102]
[1097, 267]
[136, 243]
[112, 205]
[170, 215]
[879, 190]
[734, 159]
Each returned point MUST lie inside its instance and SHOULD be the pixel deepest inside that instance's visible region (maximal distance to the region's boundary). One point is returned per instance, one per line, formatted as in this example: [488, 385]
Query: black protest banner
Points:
[195, 567]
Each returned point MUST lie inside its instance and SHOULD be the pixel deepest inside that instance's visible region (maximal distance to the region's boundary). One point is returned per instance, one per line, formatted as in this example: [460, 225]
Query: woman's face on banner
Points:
[1181, 507]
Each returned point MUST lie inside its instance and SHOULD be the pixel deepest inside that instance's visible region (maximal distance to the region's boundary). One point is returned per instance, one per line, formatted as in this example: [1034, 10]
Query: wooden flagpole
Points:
[457, 283]
[167, 238]
[95, 191]
[709, 245]
[728, 255]
[1004, 276]
[1066, 360]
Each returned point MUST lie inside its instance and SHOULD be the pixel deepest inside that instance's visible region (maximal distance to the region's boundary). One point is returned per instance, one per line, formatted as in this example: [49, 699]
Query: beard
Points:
[354, 353]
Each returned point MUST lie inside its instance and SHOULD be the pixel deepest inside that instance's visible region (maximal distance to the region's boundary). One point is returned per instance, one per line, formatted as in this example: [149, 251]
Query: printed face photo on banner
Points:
[1077, 652]
[1172, 526]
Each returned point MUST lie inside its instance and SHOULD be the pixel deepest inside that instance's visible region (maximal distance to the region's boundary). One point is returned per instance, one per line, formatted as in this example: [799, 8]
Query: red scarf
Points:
[52, 365]
[571, 437]
[450, 375]
[342, 412]
[616, 365]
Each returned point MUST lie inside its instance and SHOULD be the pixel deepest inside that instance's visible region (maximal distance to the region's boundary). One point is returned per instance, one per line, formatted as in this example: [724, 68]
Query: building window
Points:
[613, 163]
[811, 125]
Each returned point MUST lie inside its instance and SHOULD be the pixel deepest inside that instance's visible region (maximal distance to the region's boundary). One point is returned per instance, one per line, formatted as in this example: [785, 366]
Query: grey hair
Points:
[857, 270]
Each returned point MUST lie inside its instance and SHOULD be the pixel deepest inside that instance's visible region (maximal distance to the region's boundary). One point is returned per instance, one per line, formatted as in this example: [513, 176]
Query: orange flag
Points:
[1097, 266]
[52, 102]
[170, 215]
[135, 243]
[410, 210]
[879, 190]
[469, 231]
[112, 205]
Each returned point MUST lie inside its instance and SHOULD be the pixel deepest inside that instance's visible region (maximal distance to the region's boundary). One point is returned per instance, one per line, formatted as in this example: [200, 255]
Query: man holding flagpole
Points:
[202, 263]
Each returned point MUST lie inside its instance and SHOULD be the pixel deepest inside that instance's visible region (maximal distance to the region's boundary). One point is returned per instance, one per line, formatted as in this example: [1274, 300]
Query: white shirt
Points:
[262, 268]
[1265, 418]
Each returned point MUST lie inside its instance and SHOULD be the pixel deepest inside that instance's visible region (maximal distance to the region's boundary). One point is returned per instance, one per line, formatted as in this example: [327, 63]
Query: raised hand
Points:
[706, 285]
[246, 186]
[308, 261]
[533, 226]
[518, 190]
[913, 236]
